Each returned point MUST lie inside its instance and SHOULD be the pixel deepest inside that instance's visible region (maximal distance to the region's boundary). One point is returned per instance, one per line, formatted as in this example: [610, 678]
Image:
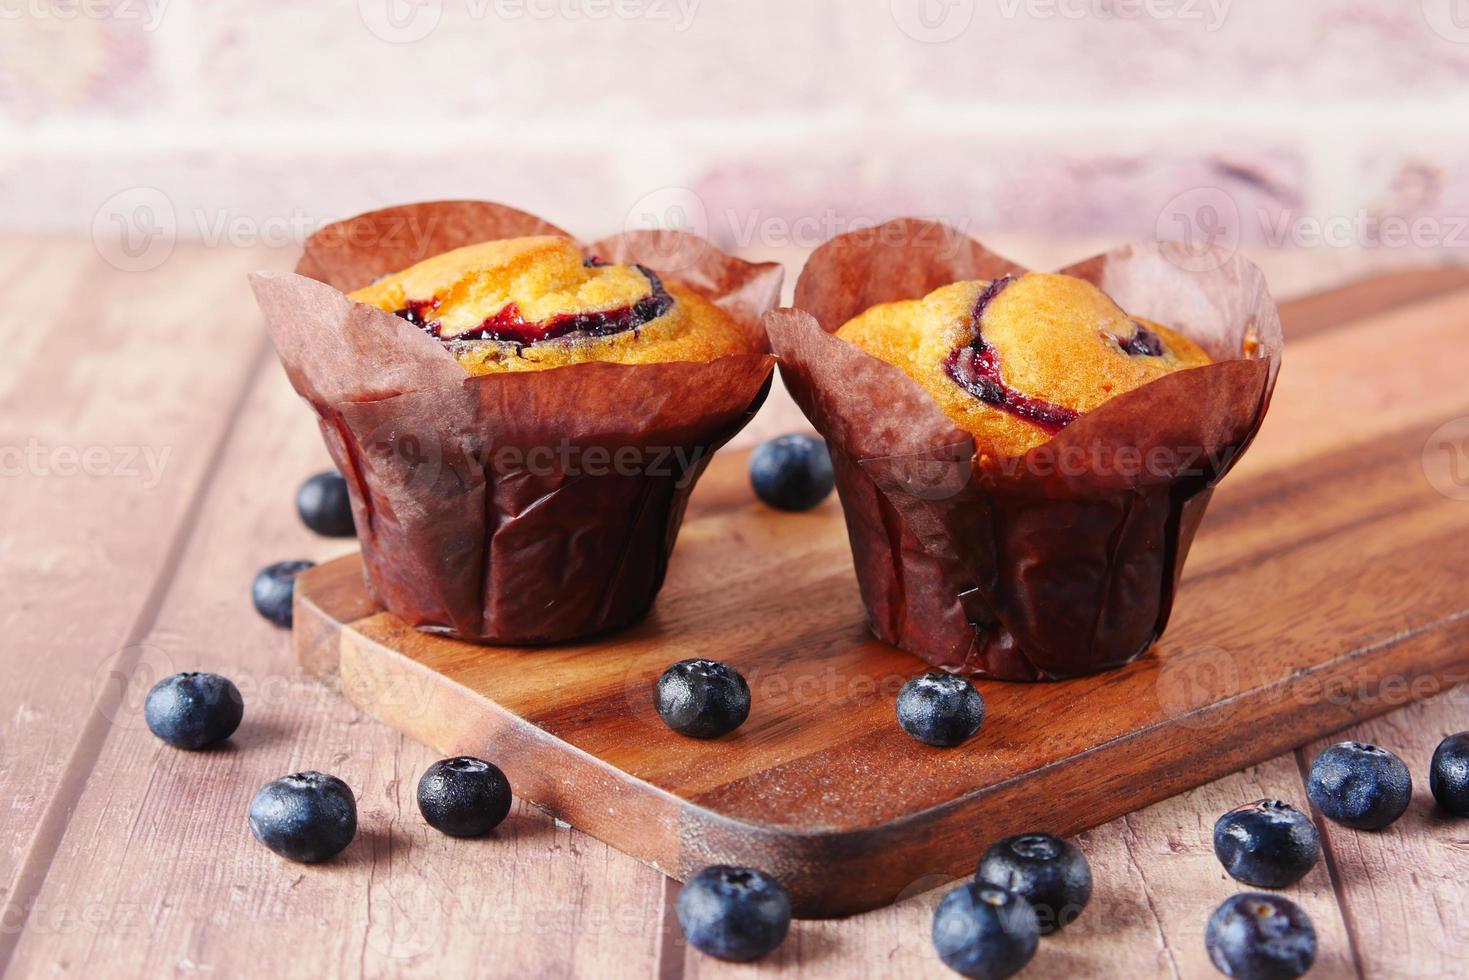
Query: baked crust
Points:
[527, 304]
[1012, 361]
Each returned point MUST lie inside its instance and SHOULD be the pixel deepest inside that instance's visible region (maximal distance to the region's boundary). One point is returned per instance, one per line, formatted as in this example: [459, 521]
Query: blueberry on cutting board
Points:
[940, 709]
[702, 698]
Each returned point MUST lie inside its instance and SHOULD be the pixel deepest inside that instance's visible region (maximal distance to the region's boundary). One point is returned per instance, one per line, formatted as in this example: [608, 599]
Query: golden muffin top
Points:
[1015, 360]
[524, 304]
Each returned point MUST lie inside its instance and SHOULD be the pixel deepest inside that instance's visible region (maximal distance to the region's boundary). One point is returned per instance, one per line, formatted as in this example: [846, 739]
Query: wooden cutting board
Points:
[1330, 583]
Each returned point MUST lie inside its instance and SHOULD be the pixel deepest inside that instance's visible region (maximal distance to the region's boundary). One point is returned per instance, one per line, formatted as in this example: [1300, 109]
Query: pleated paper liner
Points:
[1061, 562]
[515, 508]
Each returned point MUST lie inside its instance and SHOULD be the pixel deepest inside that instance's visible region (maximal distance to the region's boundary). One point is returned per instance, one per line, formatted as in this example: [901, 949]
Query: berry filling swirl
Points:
[509, 326]
[975, 367]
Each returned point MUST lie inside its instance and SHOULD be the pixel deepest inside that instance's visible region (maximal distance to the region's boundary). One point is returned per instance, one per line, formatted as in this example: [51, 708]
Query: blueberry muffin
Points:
[527, 304]
[1015, 360]
[519, 425]
[1023, 462]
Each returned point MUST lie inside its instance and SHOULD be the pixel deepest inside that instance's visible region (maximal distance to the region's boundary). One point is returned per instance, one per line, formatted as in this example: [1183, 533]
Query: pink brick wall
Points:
[762, 122]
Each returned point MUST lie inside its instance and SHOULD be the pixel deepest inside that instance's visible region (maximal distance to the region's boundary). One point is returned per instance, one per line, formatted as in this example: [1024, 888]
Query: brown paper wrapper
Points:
[516, 508]
[1063, 561]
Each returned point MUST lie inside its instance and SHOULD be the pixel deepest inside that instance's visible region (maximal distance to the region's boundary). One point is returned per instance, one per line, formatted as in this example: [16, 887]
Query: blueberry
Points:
[464, 797]
[703, 698]
[275, 589]
[325, 506]
[307, 816]
[1268, 844]
[1047, 872]
[940, 709]
[194, 711]
[1254, 936]
[737, 914]
[792, 472]
[983, 931]
[1360, 786]
[1448, 774]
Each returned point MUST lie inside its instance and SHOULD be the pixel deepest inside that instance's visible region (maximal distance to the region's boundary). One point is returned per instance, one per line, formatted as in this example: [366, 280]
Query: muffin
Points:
[1023, 458]
[520, 420]
[1014, 360]
[527, 304]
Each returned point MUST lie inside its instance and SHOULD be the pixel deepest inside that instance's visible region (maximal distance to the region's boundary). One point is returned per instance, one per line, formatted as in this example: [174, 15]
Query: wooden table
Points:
[120, 856]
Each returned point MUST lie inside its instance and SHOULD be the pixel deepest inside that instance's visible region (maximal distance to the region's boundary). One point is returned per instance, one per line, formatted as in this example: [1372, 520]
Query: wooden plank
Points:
[55, 535]
[1155, 883]
[115, 391]
[1402, 889]
[1363, 381]
[158, 852]
[1360, 299]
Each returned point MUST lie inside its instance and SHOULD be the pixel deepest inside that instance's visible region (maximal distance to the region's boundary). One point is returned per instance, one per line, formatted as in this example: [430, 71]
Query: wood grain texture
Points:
[1340, 506]
[101, 466]
[1155, 881]
[1402, 889]
[402, 900]
[135, 860]
[1364, 298]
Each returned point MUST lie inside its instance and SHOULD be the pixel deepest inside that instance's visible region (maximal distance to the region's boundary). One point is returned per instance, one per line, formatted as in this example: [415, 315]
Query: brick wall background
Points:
[1333, 126]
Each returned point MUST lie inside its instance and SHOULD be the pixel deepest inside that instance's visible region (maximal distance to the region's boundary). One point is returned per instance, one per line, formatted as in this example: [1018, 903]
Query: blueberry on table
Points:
[737, 914]
[275, 589]
[1253, 936]
[984, 931]
[325, 506]
[703, 698]
[194, 711]
[307, 816]
[792, 472]
[464, 797]
[1360, 786]
[940, 709]
[1448, 774]
[1268, 844]
[1047, 872]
